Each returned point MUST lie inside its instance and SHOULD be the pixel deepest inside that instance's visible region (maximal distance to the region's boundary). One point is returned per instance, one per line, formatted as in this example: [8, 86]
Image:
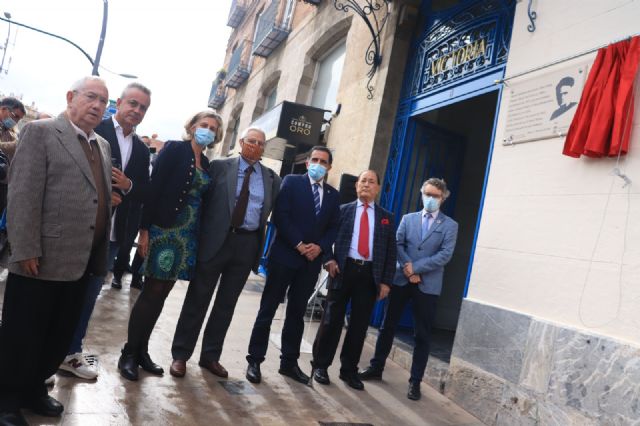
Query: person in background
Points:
[169, 233]
[11, 112]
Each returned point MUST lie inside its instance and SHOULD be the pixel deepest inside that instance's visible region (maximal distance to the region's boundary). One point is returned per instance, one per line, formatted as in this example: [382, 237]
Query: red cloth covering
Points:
[601, 125]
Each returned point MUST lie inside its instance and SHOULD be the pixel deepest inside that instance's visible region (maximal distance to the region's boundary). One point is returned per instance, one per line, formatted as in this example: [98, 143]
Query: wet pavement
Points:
[202, 398]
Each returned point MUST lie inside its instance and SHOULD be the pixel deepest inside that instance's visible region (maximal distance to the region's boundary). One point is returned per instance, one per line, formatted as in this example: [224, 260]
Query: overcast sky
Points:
[174, 47]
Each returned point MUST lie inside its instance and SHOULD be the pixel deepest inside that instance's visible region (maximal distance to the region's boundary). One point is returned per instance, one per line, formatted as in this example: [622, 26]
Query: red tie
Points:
[363, 239]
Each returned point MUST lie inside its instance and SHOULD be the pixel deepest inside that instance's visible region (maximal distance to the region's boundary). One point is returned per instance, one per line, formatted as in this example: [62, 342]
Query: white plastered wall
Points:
[560, 237]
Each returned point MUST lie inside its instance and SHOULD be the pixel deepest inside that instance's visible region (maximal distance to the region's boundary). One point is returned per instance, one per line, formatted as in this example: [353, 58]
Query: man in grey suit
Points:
[231, 238]
[58, 225]
[426, 241]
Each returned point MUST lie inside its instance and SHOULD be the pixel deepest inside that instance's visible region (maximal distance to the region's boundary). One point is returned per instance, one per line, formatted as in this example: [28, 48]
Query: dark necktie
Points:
[316, 197]
[239, 212]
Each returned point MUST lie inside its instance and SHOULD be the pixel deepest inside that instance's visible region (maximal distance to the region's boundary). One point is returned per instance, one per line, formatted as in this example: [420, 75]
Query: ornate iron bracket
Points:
[367, 11]
[532, 17]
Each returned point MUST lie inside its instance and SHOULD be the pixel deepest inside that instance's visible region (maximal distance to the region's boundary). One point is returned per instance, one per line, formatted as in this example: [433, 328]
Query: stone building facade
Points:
[542, 293]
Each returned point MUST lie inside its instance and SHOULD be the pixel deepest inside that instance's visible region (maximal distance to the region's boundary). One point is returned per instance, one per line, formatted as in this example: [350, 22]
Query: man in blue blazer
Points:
[361, 269]
[305, 215]
[130, 177]
[426, 241]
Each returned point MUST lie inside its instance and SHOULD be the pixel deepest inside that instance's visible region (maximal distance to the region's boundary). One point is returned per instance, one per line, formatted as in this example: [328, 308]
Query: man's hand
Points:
[143, 243]
[120, 180]
[30, 266]
[115, 199]
[415, 279]
[332, 267]
[312, 252]
[384, 291]
[408, 269]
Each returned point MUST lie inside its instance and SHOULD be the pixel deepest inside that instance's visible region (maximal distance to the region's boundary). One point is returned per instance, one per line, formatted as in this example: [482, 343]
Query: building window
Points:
[270, 98]
[329, 72]
[234, 134]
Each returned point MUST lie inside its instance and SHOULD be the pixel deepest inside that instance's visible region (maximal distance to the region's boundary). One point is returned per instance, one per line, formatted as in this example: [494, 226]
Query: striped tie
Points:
[316, 197]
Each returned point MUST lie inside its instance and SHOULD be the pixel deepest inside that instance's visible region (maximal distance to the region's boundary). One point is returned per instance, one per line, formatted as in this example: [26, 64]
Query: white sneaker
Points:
[50, 381]
[81, 366]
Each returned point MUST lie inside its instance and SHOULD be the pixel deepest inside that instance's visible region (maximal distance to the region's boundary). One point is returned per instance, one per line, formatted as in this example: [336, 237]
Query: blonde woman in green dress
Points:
[168, 233]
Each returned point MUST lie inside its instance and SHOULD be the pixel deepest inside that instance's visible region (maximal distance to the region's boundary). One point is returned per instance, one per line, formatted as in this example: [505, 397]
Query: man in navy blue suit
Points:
[426, 241]
[361, 270]
[130, 177]
[305, 215]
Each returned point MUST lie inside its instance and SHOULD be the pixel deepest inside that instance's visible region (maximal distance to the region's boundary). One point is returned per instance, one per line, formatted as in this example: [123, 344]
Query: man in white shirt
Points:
[130, 178]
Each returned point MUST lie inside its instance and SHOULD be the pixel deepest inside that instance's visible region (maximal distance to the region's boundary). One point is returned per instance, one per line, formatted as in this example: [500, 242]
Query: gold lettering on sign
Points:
[459, 56]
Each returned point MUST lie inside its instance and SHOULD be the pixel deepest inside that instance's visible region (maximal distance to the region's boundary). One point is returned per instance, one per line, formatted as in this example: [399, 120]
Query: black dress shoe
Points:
[116, 283]
[295, 373]
[253, 372]
[45, 406]
[148, 365]
[352, 380]
[414, 391]
[370, 373]
[12, 418]
[321, 376]
[128, 366]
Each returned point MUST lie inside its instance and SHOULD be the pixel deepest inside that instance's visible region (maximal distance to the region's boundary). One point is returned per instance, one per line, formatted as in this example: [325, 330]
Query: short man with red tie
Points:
[361, 268]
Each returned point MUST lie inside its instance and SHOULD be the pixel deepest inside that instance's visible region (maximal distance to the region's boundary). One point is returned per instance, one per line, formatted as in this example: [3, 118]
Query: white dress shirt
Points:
[124, 142]
[355, 236]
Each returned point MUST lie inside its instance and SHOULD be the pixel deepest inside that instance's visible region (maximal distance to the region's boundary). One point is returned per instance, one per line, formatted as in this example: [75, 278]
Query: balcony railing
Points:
[272, 29]
[217, 96]
[238, 66]
[237, 12]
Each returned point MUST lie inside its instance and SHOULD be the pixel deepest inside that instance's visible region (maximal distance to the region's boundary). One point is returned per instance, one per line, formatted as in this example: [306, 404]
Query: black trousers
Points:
[232, 265]
[424, 310]
[38, 321]
[359, 288]
[300, 283]
[121, 262]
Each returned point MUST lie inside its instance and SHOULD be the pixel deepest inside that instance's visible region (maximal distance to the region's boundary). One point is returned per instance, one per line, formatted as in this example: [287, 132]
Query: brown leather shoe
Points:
[215, 367]
[178, 368]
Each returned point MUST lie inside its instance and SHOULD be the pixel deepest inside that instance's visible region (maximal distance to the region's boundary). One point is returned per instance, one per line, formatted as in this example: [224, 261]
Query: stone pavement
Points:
[202, 398]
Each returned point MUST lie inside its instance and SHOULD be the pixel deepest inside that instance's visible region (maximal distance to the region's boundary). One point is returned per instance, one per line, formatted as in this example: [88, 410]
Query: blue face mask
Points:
[8, 123]
[204, 136]
[316, 171]
[430, 204]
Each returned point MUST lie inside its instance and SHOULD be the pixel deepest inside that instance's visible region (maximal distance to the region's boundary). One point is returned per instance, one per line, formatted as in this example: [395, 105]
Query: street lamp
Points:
[6, 44]
[95, 64]
[103, 34]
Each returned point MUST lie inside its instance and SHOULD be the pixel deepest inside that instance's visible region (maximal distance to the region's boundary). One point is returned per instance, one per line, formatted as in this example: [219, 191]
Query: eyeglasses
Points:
[92, 97]
[254, 142]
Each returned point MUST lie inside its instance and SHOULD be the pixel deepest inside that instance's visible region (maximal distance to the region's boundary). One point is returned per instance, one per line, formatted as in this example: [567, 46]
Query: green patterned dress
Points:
[172, 251]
